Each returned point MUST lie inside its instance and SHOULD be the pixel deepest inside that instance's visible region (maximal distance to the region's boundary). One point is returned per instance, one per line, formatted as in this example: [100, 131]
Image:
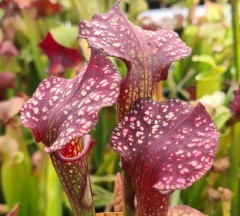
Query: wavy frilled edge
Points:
[61, 111]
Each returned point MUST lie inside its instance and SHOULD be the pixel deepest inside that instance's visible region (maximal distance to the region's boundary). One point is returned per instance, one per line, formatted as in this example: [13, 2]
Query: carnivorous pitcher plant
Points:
[164, 145]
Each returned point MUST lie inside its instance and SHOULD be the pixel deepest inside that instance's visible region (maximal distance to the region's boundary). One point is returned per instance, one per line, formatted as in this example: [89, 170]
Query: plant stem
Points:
[128, 186]
[54, 192]
[236, 36]
[158, 92]
[176, 198]
[150, 201]
[75, 180]
[234, 169]
[42, 193]
[235, 150]
[128, 194]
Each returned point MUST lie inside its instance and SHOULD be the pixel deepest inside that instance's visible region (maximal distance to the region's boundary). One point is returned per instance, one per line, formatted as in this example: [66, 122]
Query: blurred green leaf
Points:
[221, 116]
[136, 7]
[54, 192]
[86, 9]
[207, 59]
[107, 163]
[101, 197]
[107, 120]
[211, 80]
[17, 181]
[69, 38]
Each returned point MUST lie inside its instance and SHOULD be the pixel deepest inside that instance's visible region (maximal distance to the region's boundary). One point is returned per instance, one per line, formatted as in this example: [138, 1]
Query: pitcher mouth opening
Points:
[75, 149]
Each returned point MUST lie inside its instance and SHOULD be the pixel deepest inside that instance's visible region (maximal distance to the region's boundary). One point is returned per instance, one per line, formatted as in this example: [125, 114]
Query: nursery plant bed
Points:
[174, 17]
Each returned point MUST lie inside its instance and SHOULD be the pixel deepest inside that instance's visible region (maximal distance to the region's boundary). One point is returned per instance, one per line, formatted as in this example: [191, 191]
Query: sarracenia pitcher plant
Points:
[164, 146]
[61, 113]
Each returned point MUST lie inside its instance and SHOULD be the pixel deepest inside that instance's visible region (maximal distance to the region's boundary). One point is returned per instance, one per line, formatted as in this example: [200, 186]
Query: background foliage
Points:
[209, 75]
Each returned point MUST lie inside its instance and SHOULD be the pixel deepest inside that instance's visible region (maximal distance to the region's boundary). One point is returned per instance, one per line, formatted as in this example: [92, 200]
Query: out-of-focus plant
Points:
[25, 24]
[62, 112]
[211, 59]
[61, 58]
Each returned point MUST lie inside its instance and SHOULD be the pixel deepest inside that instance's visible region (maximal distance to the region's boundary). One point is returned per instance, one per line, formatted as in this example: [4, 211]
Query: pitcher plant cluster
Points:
[163, 145]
